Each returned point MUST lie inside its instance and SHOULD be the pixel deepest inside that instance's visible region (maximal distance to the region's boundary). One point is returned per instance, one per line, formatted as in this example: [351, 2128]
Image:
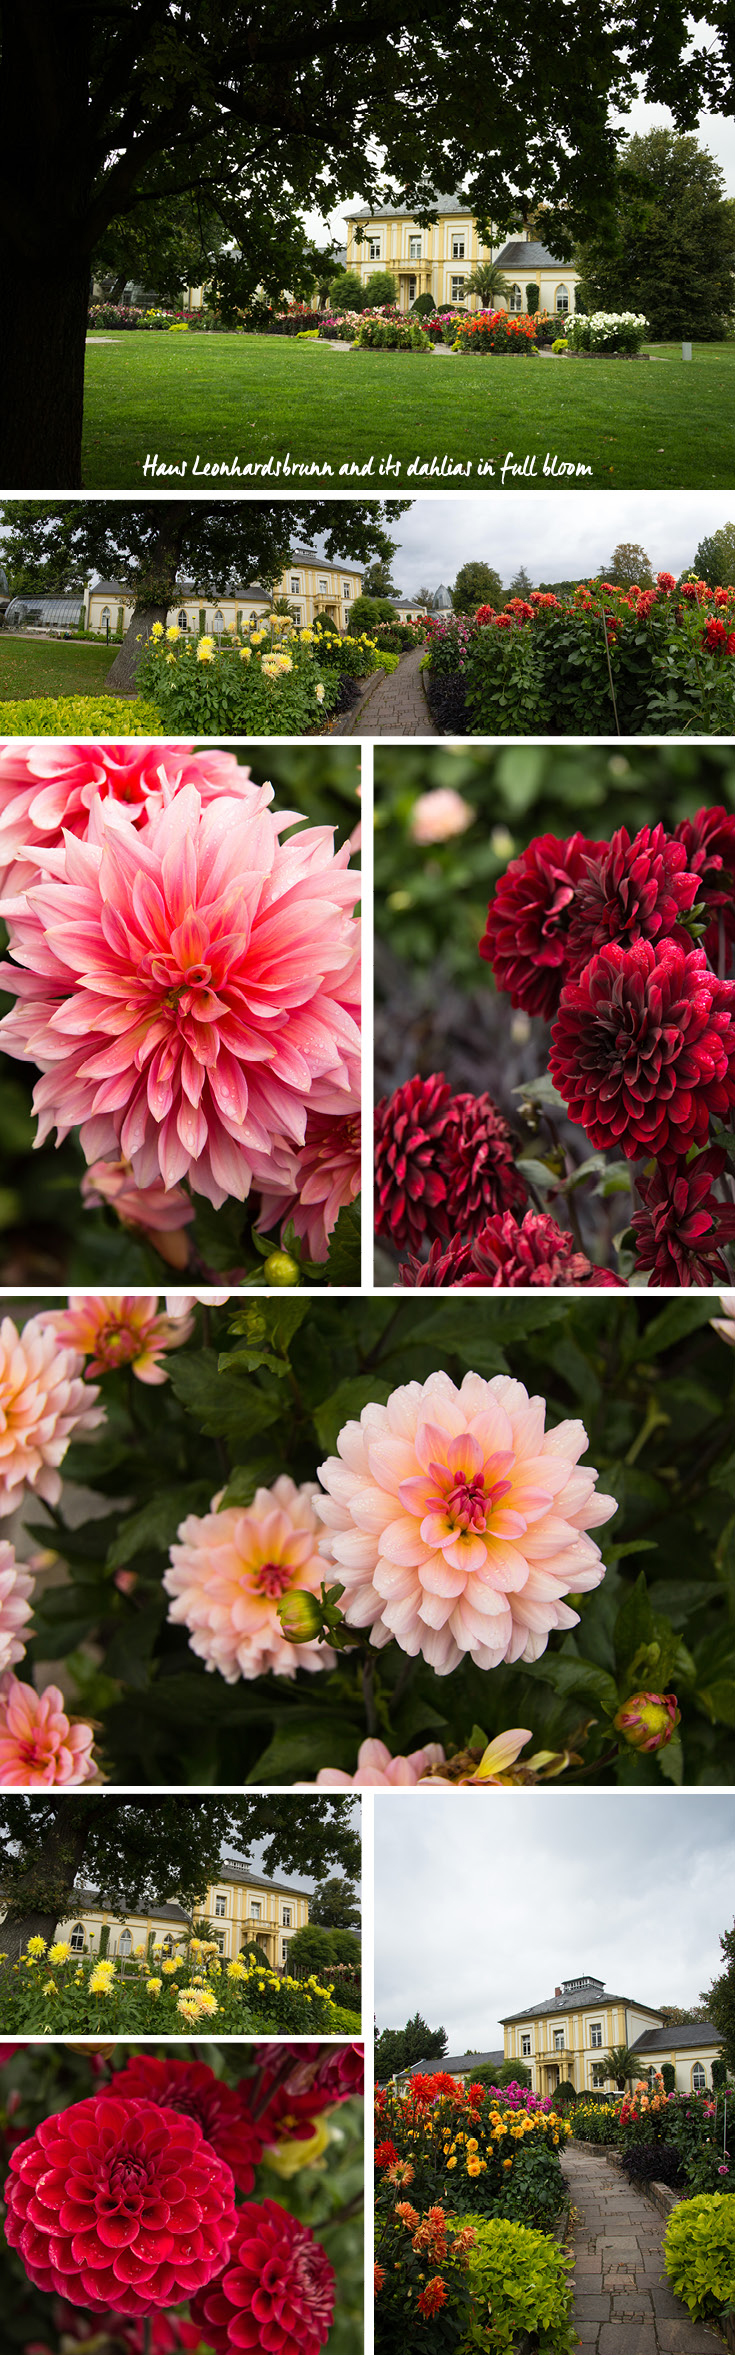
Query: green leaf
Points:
[680, 1318]
[635, 1624]
[577, 1676]
[671, 1760]
[345, 1405]
[156, 1524]
[344, 1264]
[542, 1091]
[537, 1173]
[719, 1700]
[226, 1405]
[258, 1472]
[298, 1749]
[218, 1234]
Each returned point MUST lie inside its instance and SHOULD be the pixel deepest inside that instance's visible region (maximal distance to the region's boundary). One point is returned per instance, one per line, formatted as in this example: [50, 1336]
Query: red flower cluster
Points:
[193, 2090]
[441, 1162]
[276, 2291]
[504, 1253]
[682, 1226]
[385, 2154]
[643, 1049]
[716, 638]
[627, 891]
[119, 2205]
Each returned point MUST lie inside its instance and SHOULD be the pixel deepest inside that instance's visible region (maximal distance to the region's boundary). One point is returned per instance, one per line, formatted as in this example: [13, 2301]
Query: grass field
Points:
[204, 401]
[56, 666]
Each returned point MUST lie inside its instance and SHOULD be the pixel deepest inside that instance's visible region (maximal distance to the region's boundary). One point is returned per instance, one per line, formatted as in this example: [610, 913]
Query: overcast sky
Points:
[485, 1901]
[557, 535]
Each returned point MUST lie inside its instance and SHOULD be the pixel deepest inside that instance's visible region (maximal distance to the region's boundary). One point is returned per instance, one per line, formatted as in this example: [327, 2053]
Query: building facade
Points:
[567, 2035]
[313, 584]
[240, 1907]
[439, 260]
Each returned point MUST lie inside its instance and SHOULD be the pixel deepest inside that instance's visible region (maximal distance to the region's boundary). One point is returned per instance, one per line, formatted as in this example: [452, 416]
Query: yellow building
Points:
[566, 2036]
[313, 584]
[439, 260]
[242, 1909]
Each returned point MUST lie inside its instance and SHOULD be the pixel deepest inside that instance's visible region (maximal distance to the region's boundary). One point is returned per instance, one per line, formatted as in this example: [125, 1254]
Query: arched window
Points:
[182, 620]
[561, 298]
[125, 1943]
[515, 299]
[253, 620]
[105, 617]
[699, 2077]
[76, 1940]
[168, 1945]
[218, 623]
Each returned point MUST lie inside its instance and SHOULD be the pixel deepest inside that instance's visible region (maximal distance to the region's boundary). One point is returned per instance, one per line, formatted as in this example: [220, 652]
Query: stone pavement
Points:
[395, 706]
[622, 2301]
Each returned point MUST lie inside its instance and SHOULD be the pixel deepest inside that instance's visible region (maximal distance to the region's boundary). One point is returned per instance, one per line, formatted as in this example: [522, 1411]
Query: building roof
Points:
[230, 1870]
[575, 1995]
[312, 556]
[89, 1901]
[525, 253]
[695, 2032]
[456, 2064]
[51, 609]
[442, 600]
[405, 212]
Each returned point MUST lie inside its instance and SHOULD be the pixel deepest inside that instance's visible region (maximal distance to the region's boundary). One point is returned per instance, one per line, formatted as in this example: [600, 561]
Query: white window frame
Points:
[296, 584]
[459, 245]
[560, 2038]
[414, 249]
[514, 306]
[297, 614]
[596, 2035]
[77, 1940]
[526, 2047]
[346, 593]
[256, 1910]
[373, 246]
[220, 1905]
[561, 301]
[699, 2072]
[458, 289]
[323, 589]
[286, 1921]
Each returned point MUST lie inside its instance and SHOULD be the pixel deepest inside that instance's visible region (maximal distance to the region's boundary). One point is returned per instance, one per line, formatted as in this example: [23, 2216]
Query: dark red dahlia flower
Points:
[504, 1253]
[192, 2089]
[120, 2206]
[628, 891]
[409, 1191]
[709, 842]
[475, 1159]
[714, 635]
[643, 1049]
[276, 2291]
[318, 2078]
[525, 938]
[682, 1227]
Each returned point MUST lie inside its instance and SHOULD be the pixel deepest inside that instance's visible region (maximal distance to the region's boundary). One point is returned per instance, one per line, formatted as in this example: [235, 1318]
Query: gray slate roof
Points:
[89, 1901]
[526, 254]
[405, 212]
[666, 2039]
[577, 1999]
[456, 2063]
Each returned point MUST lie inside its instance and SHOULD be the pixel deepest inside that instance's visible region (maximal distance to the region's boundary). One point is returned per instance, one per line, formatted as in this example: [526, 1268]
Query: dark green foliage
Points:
[381, 288]
[672, 256]
[510, 2073]
[654, 2162]
[377, 580]
[424, 306]
[521, 584]
[720, 1998]
[565, 2094]
[366, 612]
[532, 298]
[346, 292]
[629, 564]
[714, 560]
[477, 584]
[334, 1906]
[668, 2073]
[401, 2048]
[719, 2075]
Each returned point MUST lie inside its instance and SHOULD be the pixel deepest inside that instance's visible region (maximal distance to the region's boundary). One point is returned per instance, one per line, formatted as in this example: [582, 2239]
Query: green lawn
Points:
[56, 666]
[658, 423]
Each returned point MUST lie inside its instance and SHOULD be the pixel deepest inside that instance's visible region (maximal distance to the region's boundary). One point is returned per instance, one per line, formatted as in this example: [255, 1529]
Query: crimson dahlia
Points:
[120, 2206]
[409, 1192]
[475, 1159]
[504, 1253]
[193, 2090]
[628, 891]
[682, 1227]
[709, 842]
[643, 1049]
[276, 2291]
[525, 938]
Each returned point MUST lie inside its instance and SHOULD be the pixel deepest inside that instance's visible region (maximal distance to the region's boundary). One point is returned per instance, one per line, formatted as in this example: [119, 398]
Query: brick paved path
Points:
[622, 2301]
[395, 706]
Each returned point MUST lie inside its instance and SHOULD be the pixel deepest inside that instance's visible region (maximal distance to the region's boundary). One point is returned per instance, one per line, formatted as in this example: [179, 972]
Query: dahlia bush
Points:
[640, 661]
[182, 993]
[142, 2206]
[55, 1991]
[374, 1541]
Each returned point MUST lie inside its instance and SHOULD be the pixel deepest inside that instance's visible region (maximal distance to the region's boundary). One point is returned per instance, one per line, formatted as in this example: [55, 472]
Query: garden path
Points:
[622, 2301]
[395, 706]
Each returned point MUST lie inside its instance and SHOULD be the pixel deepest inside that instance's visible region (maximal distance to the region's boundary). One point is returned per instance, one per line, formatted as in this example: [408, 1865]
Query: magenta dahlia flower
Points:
[643, 1049]
[276, 2291]
[15, 1608]
[681, 1230]
[325, 1177]
[43, 1404]
[119, 1329]
[39, 1744]
[629, 891]
[186, 990]
[47, 789]
[192, 2089]
[457, 1522]
[119, 2205]
[504, 1252]
[409, 1190]
[229, 1572]
[525, 937]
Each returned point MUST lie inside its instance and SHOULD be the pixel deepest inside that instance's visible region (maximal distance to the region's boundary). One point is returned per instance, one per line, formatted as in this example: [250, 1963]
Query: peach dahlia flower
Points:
[229, 1571]
[457, 1523]
[156, 1211]
[15, 1609]
[46, 788]
[43, 1404]
[38, 1742]
[181, 989]
[375, 1766]
[120, 1329]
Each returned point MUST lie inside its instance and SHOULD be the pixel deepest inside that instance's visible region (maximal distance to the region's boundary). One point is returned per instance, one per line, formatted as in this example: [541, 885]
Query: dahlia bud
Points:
[301, 1616]
[648, 1720]
[280, 1268]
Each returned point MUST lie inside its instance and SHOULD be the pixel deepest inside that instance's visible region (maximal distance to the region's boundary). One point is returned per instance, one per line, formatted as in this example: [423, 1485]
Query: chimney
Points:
[557, 1991]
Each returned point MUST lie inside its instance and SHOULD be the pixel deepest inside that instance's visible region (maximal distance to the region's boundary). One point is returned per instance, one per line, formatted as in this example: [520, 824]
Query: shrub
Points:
[81, 715]
[423, 308]
[656, 661]
[520, 2281]
[392, 335]
[311, 1949]
[140, 1998]
[699, 2252]
[367, 612]
[238, 689]
[496, 331]
[668, 2074]
[607, 331]
[654, 2162]
[419, 2257]
[533, 298]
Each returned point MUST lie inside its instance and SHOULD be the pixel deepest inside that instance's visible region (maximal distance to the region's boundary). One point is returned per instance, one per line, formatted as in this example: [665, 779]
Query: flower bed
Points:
[496, 331]
[102, 315]
[671, 2138]
[649, 662]
[54, 1991]
[607, 331]
[273, 679]
[467, 2146]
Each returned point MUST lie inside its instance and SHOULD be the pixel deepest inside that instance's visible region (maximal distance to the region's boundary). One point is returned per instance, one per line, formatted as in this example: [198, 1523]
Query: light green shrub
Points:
[699, 2252]
[80, 715]
[519, 2281]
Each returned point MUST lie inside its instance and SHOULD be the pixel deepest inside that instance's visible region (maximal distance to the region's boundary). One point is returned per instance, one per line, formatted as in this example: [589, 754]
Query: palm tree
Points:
[621, 2064]
[487, 281]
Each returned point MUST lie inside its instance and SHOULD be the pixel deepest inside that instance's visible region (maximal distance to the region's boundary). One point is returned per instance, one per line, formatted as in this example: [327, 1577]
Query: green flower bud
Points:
[300, 1616]
[281, 1269]
[648, 1720]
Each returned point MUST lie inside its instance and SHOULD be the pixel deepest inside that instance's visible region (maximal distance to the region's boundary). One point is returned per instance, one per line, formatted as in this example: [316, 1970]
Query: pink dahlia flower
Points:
[457, 1522]
[276, 2291]
[376, 1766]
[725, 1325]
[43, 1404]
[39, 1744]
[47, 789]
[120, 1329]
[181, 988]
[436, 816]
[326, 1176]
[15, 1609]
[229, 1572]
[159, 1212]
[119, 2205]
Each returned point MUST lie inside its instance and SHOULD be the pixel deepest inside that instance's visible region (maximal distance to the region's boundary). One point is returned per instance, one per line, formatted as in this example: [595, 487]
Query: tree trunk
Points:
[47, 169]
[42, 391]
[156, 597]
[125, 666]
[40, 1898]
